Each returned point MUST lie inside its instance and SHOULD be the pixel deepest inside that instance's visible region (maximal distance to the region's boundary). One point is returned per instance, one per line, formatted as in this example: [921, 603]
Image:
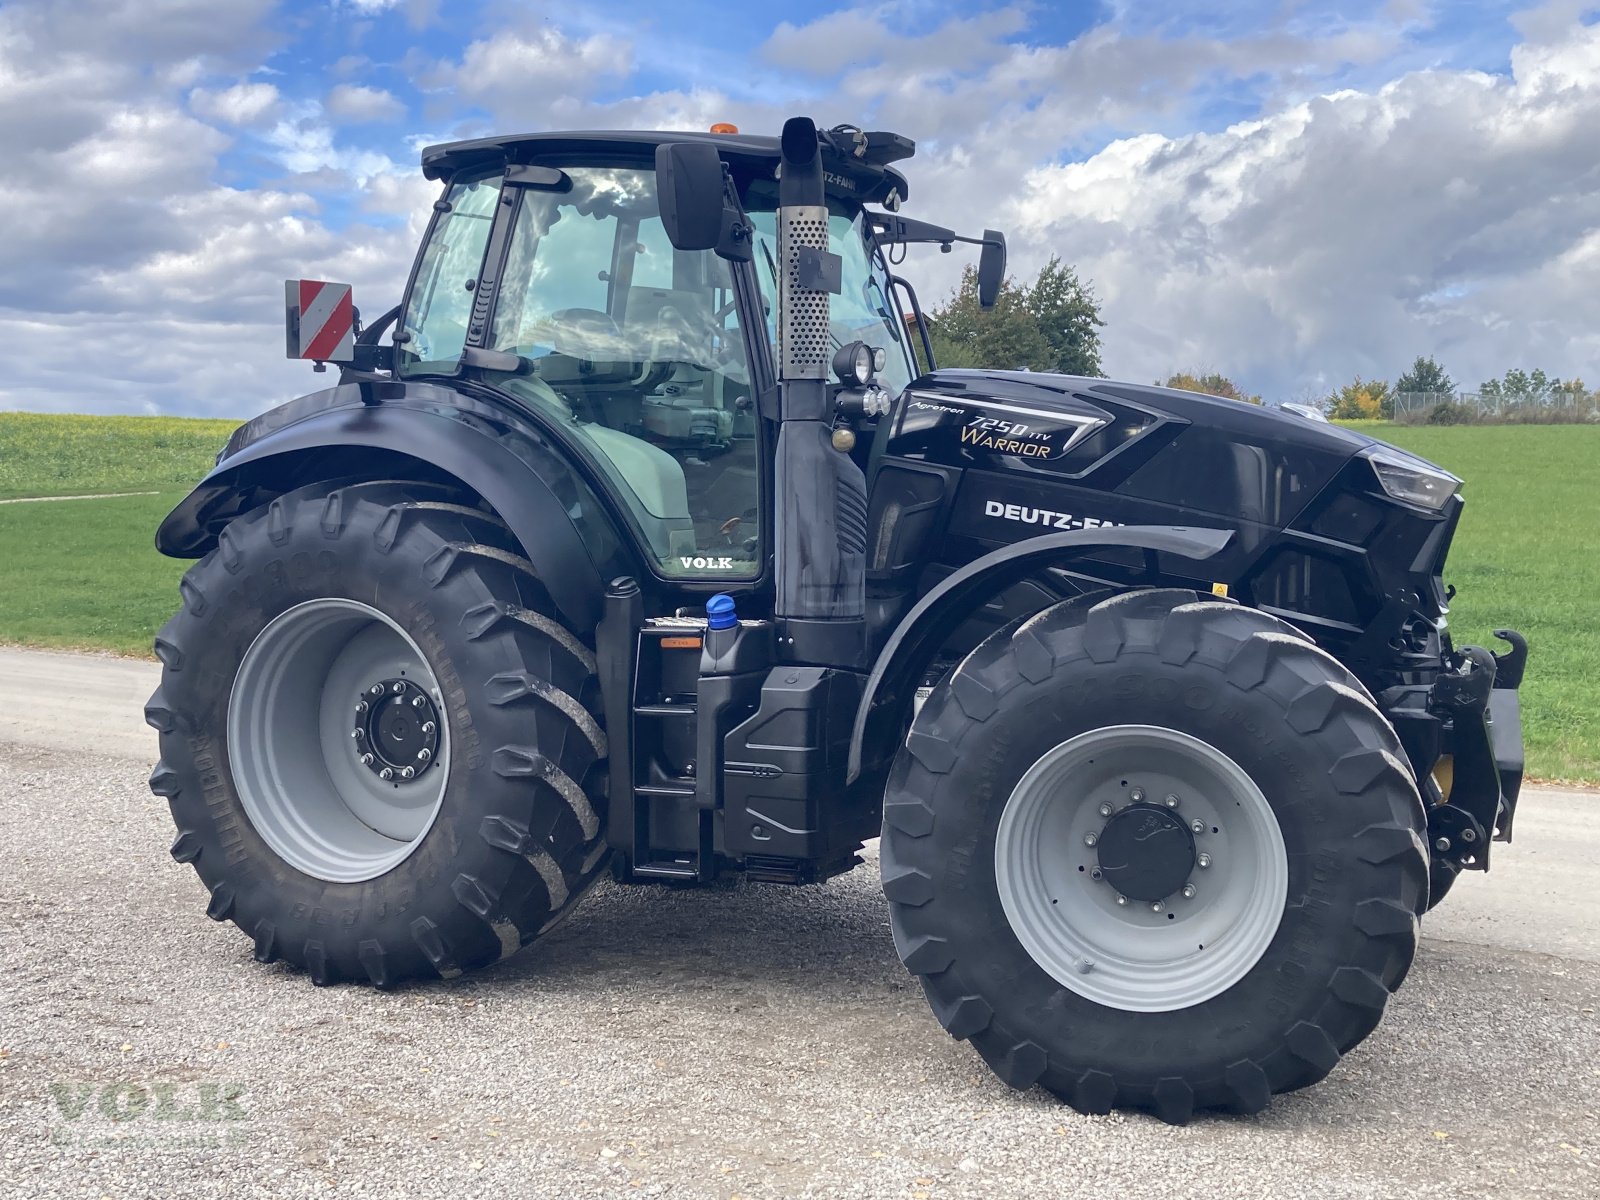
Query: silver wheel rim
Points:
[299, 771]
[1140, 955]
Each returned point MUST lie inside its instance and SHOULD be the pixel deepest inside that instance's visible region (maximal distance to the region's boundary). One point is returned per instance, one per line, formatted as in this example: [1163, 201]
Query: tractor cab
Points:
[550, 274]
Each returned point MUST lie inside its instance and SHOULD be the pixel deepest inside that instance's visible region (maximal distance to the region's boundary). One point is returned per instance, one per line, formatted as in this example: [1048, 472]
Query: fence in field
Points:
[1547, 405]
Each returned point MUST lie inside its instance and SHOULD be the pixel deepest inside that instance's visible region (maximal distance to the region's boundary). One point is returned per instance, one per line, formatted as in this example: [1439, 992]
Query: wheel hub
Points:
[396, 735]
[1145, 852]
[305, 753]
[1140, 867]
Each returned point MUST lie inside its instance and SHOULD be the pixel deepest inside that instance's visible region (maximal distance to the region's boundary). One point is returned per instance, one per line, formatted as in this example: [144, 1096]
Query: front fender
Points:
[564, 530]
[918, 636]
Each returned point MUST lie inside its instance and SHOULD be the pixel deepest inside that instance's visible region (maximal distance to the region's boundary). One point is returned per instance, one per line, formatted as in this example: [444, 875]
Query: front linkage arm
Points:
[1476, 704]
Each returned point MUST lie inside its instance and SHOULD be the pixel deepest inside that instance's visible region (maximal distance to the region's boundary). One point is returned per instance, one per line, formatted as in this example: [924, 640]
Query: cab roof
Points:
[867, 180]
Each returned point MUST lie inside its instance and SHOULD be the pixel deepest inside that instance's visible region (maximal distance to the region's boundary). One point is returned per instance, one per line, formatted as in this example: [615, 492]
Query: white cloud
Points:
[1449, 212]
[355, 104]
[854, 39]
[305, 143]
[540, 71]
[170, 280]
[241, 104]
[153, 33]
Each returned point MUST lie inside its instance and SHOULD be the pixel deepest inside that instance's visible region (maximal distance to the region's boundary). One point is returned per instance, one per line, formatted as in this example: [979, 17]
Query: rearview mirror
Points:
[991, 267]
[689, 189]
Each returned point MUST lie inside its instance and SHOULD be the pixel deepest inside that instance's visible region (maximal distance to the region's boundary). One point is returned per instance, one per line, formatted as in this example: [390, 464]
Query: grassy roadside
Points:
[84, 573]
[92, 577]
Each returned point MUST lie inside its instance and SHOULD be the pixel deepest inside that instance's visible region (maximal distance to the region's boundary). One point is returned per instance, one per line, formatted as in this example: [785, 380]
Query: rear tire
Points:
[317, 859]
[1254, 693]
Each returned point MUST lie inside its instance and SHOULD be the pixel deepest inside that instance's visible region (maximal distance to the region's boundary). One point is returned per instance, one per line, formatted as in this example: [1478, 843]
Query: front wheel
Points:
[380, 746]
[1154, 851]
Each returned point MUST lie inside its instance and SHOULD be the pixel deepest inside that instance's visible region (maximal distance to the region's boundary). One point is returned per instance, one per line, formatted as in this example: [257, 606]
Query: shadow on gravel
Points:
[829, 939]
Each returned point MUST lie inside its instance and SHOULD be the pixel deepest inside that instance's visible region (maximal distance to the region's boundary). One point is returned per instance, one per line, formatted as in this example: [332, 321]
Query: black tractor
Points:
[645, 547]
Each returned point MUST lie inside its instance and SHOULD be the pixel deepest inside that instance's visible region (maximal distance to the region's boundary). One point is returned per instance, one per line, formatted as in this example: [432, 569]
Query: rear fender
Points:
[919, 635]
[417, 431]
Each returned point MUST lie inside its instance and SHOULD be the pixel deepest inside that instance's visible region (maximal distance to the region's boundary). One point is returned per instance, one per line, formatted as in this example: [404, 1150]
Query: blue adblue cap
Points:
[719, 612]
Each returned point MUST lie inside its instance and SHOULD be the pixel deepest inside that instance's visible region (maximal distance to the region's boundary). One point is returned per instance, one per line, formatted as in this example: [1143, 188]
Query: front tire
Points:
[381, 749]
[1254, 730]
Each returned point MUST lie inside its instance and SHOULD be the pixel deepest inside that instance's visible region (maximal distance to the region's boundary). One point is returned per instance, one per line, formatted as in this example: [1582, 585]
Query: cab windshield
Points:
[865, 308]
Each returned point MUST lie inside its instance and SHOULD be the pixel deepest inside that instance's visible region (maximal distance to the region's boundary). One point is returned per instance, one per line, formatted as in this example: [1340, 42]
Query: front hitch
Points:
[1476, 702]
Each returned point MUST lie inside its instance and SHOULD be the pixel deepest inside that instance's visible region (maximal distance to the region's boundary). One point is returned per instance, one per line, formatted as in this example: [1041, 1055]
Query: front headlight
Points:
[1410, 479]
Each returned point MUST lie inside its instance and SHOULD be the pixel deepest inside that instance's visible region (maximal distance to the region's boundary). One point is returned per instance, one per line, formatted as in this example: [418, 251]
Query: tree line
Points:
[1516, 389]
[1053, 324]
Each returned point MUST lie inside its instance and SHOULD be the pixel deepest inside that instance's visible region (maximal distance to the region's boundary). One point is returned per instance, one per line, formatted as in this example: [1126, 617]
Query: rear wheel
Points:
[1154, 851]
[380, 746]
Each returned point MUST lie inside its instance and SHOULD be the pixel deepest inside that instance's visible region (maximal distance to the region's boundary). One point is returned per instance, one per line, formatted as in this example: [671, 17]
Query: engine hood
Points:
[1194, 456]
[1070, 392]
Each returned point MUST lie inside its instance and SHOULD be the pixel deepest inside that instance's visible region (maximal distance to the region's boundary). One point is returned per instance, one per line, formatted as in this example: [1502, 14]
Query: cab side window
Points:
[440, 306]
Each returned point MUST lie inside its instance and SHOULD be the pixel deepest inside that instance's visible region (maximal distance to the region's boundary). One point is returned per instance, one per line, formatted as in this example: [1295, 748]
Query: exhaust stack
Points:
[803, 350]
[820, 526]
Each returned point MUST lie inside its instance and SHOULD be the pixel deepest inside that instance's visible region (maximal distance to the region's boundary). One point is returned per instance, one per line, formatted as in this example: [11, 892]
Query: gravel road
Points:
[753, 1042]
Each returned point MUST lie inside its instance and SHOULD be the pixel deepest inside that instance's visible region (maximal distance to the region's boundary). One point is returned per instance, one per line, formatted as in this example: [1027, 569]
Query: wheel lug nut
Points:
[407, 772]
[428, 727]
[1136, 795]
[1157, 906]
[375, 690]
[1094, 873]
[366, 760]
[398, 688]
[1442, 845]
[1172, 802]
[424, 754]
[1122, 899]
[1197, 826]
[1089, 839]
[361, 706]
[418, 702]
[1204, 860]
[357, 734]
[1105, 810]
[386, 773]
[1188, 891]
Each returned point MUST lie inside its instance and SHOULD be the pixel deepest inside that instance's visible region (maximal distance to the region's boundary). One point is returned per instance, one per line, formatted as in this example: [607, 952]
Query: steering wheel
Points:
[583, 324]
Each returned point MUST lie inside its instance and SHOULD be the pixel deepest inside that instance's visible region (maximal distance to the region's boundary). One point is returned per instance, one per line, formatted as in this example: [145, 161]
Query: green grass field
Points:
[84, 573]
[1527, 555]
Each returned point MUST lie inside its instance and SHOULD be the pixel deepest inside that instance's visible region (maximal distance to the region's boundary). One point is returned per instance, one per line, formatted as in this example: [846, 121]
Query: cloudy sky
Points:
[1291, 193]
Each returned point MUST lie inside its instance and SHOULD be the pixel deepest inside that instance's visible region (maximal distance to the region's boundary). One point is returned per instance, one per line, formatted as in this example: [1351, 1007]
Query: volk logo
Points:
[1043, 516]
[706, 564]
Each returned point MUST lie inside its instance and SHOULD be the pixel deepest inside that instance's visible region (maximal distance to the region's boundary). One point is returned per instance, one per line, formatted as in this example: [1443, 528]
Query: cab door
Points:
[637, 353]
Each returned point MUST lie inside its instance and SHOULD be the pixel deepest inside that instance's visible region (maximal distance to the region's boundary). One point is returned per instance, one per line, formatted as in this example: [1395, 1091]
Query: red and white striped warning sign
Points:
[320, 320]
